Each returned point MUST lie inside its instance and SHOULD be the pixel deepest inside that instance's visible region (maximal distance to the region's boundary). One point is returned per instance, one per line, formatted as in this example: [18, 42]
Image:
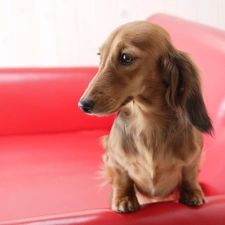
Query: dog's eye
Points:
[126, 59]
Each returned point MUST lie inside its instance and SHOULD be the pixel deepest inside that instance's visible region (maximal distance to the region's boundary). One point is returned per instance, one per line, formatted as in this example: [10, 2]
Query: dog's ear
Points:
[183, 88]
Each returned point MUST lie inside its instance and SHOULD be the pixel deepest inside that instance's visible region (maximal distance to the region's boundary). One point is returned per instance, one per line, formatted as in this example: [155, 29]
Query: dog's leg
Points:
[123, 197]
[190, 191]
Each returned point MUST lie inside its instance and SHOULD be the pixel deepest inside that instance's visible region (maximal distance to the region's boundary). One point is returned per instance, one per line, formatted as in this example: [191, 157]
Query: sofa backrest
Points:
[206, 46]
[35, 100]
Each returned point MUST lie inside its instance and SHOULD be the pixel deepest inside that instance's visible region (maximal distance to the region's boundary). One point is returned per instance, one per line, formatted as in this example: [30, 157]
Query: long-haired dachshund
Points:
[155, 143]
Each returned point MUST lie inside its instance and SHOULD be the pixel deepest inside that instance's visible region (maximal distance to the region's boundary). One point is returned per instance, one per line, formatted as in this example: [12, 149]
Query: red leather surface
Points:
[45, 100]
[50, 151]
[165, 213]
[47, 174]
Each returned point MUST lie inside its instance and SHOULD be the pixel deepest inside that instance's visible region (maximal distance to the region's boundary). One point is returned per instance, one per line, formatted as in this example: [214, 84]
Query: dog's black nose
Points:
[86, 105]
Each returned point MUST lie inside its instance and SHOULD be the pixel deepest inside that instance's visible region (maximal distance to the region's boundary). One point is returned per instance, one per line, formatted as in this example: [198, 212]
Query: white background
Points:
[56, 33]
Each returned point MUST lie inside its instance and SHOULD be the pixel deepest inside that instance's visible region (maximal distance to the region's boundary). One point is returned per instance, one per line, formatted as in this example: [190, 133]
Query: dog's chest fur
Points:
[145, 154]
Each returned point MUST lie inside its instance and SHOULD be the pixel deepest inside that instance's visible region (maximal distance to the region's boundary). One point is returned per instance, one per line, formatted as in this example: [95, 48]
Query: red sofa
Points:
[50, 151]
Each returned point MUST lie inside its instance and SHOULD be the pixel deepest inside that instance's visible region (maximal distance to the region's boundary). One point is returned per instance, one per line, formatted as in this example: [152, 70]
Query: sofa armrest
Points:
[45, 100]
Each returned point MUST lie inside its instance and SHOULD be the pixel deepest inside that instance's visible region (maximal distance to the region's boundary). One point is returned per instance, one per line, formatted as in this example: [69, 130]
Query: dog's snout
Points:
[86, 105]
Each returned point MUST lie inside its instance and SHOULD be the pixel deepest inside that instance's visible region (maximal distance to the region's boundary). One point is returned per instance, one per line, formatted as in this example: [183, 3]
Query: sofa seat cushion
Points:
[47, 174]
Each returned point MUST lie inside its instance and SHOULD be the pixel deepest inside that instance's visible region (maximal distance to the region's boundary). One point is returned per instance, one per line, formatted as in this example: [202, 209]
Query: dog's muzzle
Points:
[86, 105]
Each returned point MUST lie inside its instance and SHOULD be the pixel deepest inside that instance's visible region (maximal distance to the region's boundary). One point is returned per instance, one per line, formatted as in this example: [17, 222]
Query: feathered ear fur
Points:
[183, 88]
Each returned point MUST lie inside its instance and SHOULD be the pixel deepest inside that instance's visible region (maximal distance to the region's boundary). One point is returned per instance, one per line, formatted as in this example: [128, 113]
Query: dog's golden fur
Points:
[155, 143]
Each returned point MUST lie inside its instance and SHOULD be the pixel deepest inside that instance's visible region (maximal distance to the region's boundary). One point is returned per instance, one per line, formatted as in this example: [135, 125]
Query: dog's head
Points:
[139, 63]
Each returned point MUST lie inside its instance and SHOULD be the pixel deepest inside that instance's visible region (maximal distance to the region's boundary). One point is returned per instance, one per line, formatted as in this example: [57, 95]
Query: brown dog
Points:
[155, 143]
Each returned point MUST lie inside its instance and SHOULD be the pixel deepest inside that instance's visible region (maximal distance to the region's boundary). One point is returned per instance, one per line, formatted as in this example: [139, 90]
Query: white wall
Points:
[53, 33]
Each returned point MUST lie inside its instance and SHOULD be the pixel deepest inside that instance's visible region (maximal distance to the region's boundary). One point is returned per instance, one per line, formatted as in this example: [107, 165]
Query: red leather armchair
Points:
[50, 151]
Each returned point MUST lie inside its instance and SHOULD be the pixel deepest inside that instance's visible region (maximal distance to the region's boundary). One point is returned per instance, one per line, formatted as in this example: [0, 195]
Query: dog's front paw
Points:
[126, 204]
[192, 198]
